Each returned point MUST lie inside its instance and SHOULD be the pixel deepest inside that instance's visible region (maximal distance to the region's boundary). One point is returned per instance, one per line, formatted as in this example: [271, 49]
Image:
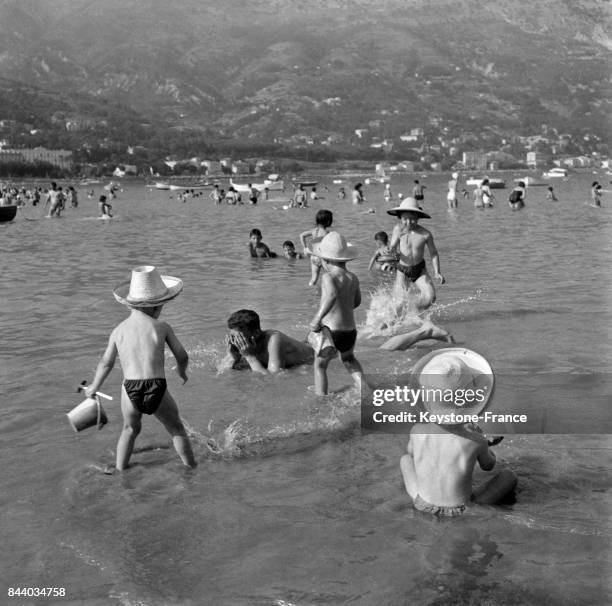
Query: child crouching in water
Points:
[257, 248]
[139, 341]
[442, 453]
[385, 257]
[323, 221]
[289, 251]
[340, 295]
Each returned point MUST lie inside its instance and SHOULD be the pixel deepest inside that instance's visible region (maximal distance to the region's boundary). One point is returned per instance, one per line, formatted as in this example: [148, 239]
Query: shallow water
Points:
[291, 503]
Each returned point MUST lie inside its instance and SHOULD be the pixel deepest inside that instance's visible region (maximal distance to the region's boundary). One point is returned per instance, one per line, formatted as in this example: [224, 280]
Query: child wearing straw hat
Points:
[140, 341]
[340, 295]
[412, 240]
[443, 451]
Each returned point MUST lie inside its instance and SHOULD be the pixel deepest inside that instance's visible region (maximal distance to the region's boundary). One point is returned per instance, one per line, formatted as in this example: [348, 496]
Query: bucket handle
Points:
[99, 419]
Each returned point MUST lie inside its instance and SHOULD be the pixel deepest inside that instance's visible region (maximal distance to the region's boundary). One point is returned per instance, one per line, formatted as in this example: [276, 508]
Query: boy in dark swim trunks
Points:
[139, 341]
[442, 452]
[412, 240]
[340, 295]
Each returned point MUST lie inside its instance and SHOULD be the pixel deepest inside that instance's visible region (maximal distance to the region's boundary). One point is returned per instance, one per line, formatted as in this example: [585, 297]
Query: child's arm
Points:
[357, 299]
[105, 365]
[486, 457]
[303, 236]
[395, 237]
[373, 260]
[329, 294]
[176, 347]
[435, 259]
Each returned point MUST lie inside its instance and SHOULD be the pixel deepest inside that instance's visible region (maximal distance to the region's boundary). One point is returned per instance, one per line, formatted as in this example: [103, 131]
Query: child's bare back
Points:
[342, 286]
[140, 342]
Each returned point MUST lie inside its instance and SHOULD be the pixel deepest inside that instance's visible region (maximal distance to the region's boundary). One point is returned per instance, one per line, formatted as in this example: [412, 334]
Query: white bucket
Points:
[87, 414]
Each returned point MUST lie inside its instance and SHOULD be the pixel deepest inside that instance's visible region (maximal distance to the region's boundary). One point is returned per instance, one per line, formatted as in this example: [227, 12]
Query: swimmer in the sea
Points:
[256, 247]
[263, 351]
[384, 258]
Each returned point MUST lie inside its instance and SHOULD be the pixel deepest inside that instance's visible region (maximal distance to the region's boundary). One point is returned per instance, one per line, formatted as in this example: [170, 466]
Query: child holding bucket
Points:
[139, 341]
[340, 295]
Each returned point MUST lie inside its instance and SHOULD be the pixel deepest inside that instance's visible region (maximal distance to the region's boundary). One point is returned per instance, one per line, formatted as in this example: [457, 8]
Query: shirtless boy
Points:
[264, 351]
[139, 341]
[412, 240]
[440, 460]
[256, 247]
[340, 295]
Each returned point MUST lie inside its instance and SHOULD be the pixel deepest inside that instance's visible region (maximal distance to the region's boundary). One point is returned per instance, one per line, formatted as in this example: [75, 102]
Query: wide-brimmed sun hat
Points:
[147, 288]
[408, 204]
[447, 374]
[333, 247]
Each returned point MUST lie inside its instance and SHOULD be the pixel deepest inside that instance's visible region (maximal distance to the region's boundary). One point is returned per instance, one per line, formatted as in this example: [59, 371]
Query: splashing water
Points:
[392, 309]
[395, 310]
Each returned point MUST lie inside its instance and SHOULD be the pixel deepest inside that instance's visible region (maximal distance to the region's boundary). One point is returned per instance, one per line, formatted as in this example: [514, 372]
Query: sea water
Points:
[292, 503]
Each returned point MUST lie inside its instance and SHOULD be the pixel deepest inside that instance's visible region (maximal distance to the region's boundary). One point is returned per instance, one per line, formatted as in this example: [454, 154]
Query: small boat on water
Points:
[555, 172]
[173, 187]
[244, 188]
[7, 213]
[274, 183]
[162, 186]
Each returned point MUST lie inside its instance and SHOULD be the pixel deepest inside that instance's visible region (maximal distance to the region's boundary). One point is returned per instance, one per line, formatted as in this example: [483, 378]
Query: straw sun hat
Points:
[333, 247]
[456, 369]
[147, 288]
[408, 204]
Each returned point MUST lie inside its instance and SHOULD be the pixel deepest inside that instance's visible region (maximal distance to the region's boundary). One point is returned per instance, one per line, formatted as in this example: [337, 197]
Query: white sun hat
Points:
[333, 247]
[148, 288]
[408, 204]
[449, 372]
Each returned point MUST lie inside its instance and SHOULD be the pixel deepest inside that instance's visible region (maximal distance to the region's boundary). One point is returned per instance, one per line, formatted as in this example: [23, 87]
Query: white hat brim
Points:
[315, 250]
[484, 379]
[174, 286]
[398, 209]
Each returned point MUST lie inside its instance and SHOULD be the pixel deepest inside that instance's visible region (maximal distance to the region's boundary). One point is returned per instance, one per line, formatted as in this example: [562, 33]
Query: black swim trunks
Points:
[412, 272]
[344, 340]
[145, 394]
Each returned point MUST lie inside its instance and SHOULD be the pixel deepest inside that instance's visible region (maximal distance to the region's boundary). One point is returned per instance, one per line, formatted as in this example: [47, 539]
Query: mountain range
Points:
[269, 70]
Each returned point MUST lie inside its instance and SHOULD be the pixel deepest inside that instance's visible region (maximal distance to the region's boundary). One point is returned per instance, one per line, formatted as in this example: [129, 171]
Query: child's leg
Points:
[131, 429]
[409, 475]
[351, 363]
[168, 415]
[315, 271]
[320, 375]
[427, 292]
[493, 491]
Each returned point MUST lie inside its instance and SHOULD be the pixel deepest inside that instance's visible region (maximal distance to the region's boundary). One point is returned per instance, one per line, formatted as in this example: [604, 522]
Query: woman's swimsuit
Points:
[145, 394]
[412, 272]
